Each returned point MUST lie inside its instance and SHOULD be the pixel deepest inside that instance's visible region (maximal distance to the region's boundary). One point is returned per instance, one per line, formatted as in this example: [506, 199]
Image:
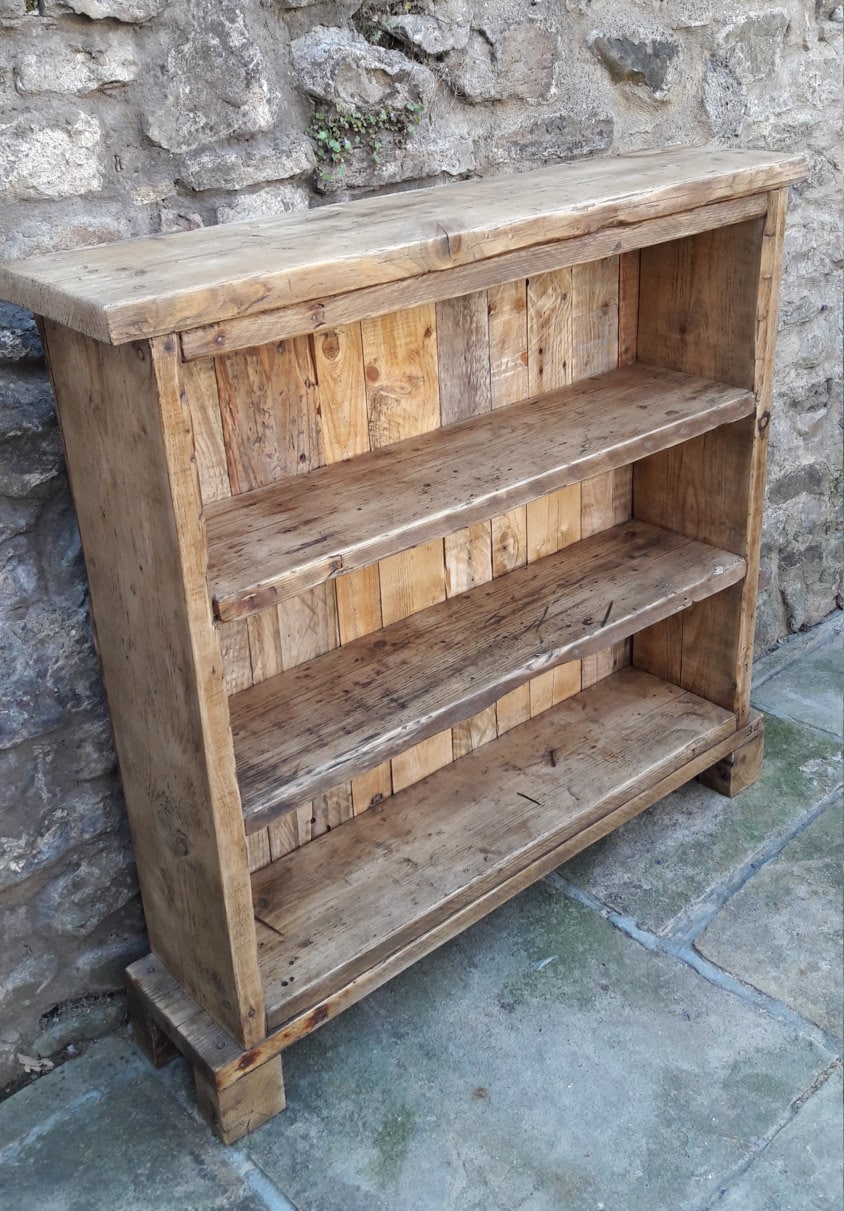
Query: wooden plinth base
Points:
[238, 1090]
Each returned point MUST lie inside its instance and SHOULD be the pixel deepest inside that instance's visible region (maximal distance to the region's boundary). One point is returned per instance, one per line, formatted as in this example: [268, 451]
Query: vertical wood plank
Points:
[338, 355]
[697, 303]
[400, 369]
[128, 436]
[554, 521]
[400, 364]
[628, 307]
[465, 391]
[199, 392]
[595, 345]
[508, 359]
[723, 288]
[359, 613]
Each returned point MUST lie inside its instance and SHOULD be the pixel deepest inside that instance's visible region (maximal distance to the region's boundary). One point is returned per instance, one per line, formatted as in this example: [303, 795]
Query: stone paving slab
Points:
[541, 1061]
[781, 932]
[810, 690]
[800, 1170]
[102, 1134]
[663, 861]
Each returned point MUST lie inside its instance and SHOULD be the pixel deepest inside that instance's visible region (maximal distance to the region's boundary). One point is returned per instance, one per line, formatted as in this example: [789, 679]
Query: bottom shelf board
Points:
[345, 902]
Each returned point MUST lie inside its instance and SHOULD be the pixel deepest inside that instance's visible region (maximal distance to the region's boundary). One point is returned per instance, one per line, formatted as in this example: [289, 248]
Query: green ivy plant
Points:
[338, 133]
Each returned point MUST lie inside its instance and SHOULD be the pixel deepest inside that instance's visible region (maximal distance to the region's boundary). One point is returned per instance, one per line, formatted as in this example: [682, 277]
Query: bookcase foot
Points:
[739, 769]
[237, 1109]
[149, 1036]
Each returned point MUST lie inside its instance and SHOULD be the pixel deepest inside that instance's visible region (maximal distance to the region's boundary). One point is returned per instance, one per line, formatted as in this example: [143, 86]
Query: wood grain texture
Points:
[402, 384]
[197, 1036]
[128, 438]
[468, 829]
[508, 363]
[595, 337]
[237, 1109]
[509, 267]
[697, 303]
[552, 520]
[463, 358]
[170, 283]
[281, 540]
[404, 683]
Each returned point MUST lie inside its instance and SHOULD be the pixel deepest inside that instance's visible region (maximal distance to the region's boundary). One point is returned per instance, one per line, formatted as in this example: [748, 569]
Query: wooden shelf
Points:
[465, 830]
[277, 541]
[322, 722]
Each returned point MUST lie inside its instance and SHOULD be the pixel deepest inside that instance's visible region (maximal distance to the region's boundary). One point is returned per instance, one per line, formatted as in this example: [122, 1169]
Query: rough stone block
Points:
[263, 203]
[45, 157]
[133, 11]
[340, 67]
[19, 339]
[516, 62]
[650, 62]
[287, 154]
[214, 82]
[751, 47]
[557, 137]
[442, 28]
[75, 63]
[422, 157]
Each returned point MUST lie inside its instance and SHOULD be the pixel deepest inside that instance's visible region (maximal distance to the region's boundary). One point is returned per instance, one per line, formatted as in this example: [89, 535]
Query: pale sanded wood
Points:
[400, 365]
[237, 1109]
[508, 362]
[279, 540]
[128, 441]
[463, 357]
[595, 325]
[197, 1035]
[737, 770]
[340, 366]
[552, 520]
[404, 683]
[402, 385]
[697, 303]
[713, 487]
[357, 304]
[628, 307]
[461, 835]
[164, 284]
[199, 387]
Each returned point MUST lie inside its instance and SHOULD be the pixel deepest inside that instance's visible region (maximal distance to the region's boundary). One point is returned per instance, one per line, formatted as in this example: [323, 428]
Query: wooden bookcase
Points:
[423, 536]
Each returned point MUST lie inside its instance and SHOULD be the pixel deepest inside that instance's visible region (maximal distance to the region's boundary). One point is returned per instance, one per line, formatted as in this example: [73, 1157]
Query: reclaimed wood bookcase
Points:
[423, 537]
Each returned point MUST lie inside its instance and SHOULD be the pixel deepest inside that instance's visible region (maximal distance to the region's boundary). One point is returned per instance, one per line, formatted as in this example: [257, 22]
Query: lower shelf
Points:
[346, 902]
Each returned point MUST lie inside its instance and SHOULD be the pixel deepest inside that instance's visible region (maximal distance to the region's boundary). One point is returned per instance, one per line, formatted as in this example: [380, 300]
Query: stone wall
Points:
[122, 117]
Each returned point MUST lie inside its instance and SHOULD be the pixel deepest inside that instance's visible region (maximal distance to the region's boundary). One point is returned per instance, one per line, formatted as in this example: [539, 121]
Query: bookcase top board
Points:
[171, 283]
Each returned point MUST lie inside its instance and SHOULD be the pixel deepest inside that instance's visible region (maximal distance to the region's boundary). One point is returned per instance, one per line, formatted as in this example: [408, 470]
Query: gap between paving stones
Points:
[764, 1142]
[685, 927]
[678, 937]
[262, 1186]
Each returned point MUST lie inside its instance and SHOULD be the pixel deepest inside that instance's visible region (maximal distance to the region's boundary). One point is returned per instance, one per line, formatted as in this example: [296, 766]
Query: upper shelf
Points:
[161, 284]
[280, 540]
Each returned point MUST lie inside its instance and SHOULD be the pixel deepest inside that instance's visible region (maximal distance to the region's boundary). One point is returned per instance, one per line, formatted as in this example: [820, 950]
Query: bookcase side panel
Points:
[129, 449]
[708, 306]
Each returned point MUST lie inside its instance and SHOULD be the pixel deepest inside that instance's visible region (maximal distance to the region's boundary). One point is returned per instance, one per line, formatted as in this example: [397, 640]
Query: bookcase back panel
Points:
[285, 408]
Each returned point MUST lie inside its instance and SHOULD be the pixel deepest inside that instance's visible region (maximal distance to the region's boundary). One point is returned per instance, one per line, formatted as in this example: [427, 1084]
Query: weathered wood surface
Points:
[128, 439]
[430, 852]
[437, 668]
[237, 1109]
[283, 539]
[725, 288]
[356, 304]
[158, 285]
[201, 1039]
